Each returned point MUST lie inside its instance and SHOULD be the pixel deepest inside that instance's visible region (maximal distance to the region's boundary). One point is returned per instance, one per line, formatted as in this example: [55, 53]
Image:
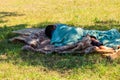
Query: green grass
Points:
[91, 14]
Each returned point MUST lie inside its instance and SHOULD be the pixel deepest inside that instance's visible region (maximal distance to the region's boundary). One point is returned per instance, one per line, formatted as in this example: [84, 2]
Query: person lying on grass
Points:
[61, 34]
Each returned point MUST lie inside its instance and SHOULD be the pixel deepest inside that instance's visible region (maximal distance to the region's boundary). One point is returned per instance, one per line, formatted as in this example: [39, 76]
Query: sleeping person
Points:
[61, 34]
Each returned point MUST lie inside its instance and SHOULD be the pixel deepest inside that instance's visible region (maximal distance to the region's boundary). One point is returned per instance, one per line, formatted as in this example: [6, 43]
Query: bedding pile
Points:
[35, 40]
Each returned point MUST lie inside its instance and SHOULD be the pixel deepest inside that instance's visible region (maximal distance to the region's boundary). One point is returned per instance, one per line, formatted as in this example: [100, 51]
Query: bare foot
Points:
[115, 55]
[104, 51]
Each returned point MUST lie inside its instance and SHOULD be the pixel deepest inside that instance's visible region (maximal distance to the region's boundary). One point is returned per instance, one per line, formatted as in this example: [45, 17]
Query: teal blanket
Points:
[65, 35]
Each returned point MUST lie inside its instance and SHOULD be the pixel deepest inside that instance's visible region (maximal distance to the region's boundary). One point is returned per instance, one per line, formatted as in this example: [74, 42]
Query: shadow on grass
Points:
[101, 25]
[5, 34]
[104, 25]
[61, 62]
[7, 14]
[51, 61]
[3, 21]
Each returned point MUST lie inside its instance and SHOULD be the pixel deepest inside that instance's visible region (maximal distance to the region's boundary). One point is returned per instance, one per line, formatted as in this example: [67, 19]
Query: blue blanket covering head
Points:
[65, 35]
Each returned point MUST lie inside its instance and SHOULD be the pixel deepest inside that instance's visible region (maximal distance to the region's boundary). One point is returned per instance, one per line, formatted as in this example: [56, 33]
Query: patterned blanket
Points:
[35, 40]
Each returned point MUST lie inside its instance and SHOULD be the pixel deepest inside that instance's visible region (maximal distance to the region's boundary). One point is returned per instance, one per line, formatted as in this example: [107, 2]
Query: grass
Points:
[91, 14]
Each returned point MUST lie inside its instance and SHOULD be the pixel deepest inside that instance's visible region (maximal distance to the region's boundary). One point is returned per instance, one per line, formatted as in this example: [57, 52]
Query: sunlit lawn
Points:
[16, 64]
